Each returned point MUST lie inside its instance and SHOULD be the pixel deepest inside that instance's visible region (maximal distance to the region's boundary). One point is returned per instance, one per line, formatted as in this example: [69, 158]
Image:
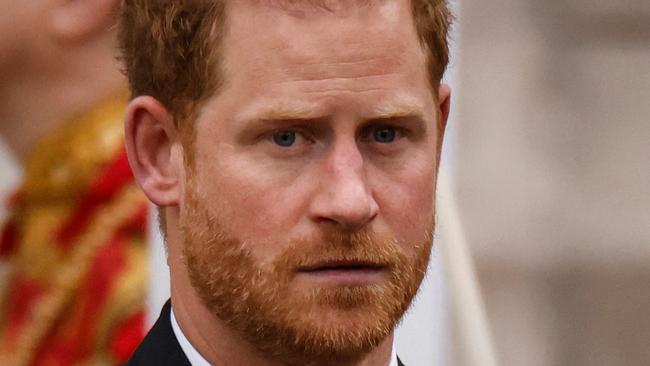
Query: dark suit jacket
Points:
[161, 348]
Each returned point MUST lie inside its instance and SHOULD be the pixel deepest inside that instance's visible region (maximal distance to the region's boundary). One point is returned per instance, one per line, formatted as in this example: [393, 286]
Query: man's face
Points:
[308, 210]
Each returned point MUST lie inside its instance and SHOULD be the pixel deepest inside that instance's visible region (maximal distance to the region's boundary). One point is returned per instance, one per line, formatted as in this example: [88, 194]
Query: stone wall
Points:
[553, 175]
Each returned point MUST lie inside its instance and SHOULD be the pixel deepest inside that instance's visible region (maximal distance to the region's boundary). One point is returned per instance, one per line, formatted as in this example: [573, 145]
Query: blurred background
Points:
[548, 156]
[551, 165]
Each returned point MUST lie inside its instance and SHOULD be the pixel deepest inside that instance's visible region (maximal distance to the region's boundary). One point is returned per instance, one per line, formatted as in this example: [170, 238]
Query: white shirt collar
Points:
[196, 359]
[393, 356]
[191, 353]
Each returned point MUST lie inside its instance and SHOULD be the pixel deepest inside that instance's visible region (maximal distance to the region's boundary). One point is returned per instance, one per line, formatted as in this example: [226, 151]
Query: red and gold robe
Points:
[75, 244]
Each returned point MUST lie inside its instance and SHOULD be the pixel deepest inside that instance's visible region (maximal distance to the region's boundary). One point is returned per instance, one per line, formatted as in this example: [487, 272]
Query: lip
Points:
[345, 272]
[343, 265]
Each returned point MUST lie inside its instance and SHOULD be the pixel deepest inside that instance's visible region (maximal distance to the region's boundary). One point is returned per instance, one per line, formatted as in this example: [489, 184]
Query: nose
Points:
[344, 198]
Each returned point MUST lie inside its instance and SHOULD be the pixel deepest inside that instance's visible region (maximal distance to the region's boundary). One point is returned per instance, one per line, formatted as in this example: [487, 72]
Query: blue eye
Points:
[284, 138]
[384, 134]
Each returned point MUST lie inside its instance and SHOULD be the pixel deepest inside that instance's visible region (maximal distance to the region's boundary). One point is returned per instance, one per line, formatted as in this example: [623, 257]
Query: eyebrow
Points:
[399, 109]
[280, 112]
[396, 109]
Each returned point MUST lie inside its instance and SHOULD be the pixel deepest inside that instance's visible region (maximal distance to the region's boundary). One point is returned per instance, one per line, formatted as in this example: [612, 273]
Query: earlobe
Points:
[153, 145]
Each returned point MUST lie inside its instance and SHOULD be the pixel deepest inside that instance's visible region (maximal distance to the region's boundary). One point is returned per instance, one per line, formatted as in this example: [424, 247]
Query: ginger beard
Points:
[320, 324]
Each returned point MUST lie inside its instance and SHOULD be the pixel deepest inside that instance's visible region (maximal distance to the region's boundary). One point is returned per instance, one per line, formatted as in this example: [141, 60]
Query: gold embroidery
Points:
[57, 173]
[67, 279]
[63, 163]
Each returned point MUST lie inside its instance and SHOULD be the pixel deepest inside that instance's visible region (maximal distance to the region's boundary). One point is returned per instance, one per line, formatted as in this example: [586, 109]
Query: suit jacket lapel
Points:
[160, 347]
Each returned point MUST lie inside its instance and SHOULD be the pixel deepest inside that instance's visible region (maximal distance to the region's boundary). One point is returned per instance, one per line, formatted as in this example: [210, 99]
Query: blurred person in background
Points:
[74, 239]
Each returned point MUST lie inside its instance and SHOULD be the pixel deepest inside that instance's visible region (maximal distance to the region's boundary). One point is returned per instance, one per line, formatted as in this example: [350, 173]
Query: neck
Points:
[215, 341]
[37, 96]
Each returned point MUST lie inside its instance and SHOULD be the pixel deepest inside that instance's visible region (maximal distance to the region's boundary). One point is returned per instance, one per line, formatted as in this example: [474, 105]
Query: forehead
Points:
[300, 52]
[273, 36]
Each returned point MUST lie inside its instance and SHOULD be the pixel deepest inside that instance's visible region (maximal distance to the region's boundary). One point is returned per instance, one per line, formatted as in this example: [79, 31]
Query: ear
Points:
[154, 150]
[444, 105]
[75, 19]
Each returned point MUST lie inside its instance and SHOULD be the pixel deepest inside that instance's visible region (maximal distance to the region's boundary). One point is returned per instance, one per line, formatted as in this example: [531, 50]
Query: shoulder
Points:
[160, 347]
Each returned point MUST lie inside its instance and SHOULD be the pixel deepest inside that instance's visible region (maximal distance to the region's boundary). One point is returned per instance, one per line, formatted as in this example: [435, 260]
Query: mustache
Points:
[334, 248]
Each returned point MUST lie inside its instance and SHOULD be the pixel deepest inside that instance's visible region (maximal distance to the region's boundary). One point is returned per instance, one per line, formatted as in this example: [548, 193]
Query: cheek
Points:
[253, 199]
[407, 201]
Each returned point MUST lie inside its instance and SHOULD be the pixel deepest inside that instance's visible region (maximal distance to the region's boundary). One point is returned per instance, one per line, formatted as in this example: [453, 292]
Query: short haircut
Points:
[170, 49]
